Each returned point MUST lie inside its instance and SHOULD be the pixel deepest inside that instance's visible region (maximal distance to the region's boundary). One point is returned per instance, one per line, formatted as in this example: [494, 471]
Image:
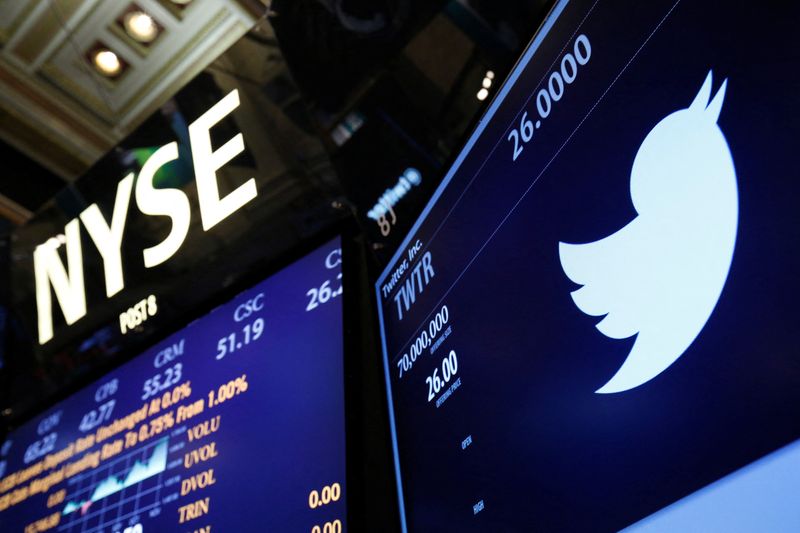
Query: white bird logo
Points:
[660, 276]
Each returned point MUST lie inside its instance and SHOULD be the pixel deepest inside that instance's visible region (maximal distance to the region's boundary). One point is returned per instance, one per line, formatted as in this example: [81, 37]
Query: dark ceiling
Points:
[25, 181]
[336, 49]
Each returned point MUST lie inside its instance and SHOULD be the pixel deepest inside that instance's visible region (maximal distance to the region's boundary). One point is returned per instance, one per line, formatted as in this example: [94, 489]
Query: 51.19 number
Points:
[232, 342]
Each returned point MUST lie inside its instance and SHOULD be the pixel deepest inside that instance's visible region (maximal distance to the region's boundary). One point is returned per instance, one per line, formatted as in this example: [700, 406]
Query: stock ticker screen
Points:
[234, 423]
[593, 324]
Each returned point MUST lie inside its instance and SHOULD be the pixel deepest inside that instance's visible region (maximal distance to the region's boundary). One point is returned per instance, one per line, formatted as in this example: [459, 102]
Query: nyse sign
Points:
[67, 281]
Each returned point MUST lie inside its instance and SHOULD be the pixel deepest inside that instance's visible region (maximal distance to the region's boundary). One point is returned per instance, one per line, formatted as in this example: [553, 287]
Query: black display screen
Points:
[592, 325]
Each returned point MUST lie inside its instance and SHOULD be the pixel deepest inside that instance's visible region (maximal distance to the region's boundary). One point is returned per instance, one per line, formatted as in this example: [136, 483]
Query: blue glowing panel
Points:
[595, 315]
[234, 423]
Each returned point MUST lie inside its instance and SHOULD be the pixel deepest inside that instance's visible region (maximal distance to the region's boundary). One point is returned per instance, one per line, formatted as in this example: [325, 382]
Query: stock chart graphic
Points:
[106, 498]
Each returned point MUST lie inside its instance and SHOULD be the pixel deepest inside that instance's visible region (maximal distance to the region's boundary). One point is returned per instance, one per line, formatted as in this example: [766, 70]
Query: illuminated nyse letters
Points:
[214, 209]
[68, 283]
[108, 239]
[68, 286]
[168, 202]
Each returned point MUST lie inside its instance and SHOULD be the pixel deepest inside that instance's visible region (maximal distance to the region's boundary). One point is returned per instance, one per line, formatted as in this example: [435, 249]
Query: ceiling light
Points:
[107, 62]
[482, 94]
[140, 26]
[487, 82]
[490, 74]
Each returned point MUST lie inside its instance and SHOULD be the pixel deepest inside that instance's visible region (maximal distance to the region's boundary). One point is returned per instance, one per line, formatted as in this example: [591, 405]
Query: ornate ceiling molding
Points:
[59, 110]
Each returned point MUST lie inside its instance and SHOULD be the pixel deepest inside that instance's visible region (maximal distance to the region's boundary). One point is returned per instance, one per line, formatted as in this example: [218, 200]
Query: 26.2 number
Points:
[323, 294]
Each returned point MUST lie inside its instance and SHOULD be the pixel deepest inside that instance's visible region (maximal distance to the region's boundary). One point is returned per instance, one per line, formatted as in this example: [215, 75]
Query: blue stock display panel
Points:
[593, 324]
[234, 423]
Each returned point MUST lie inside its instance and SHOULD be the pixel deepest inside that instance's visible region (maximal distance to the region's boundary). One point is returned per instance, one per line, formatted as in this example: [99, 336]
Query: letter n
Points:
[68, 286]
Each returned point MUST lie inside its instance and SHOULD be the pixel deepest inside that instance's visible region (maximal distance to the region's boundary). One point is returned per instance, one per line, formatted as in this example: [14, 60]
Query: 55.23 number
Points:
[162, 381]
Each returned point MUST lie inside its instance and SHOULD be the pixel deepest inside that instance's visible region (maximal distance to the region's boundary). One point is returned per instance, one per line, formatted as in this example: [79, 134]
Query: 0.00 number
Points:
[328, 527]
[328, 494]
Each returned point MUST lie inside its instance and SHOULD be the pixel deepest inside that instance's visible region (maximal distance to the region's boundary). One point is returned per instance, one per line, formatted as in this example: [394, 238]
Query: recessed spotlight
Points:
[487, 82]
[140, 26]
[490, 74]
[482, 94]
[107, 62]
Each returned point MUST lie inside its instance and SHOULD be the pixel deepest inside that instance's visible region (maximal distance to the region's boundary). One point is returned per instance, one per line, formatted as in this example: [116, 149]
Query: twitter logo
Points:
[660, 276]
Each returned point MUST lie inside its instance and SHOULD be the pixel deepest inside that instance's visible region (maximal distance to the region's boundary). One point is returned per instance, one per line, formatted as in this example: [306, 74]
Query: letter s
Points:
[172, 203]
[237, 316]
